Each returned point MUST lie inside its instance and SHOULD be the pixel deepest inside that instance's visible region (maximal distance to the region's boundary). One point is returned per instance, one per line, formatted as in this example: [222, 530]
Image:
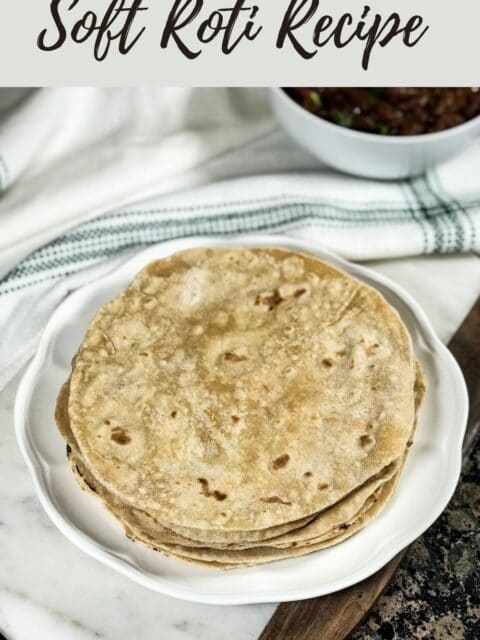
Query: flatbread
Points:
[301, 541]
[144, 525]
[255, 556]
[62, 420]
[238, 390]
[229, 559]
[329, 522]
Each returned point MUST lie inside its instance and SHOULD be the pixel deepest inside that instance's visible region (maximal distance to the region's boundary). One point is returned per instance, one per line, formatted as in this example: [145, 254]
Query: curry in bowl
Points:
[395, 111]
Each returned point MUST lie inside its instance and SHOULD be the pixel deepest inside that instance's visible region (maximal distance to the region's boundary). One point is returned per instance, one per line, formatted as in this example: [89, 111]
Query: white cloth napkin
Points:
[69, 155]
[90, 174]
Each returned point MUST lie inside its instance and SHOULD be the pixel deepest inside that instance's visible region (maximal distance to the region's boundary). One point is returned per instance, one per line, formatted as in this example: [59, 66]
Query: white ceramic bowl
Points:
[368, 154]
[426, 485]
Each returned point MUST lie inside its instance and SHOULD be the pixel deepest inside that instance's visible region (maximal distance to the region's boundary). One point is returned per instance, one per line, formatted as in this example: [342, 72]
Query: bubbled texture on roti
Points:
[326, 524]
[198, 535]
[234, 557]
[145, 526]
[235, 389]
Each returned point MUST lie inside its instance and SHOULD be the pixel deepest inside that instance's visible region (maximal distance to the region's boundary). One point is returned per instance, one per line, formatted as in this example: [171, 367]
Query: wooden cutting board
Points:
[336, 616]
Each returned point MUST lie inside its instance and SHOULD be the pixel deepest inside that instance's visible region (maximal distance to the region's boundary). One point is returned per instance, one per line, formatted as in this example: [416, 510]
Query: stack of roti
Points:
[238, 406]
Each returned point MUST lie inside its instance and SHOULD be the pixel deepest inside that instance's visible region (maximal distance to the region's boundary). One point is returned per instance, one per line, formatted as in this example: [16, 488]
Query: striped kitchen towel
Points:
[419, 218]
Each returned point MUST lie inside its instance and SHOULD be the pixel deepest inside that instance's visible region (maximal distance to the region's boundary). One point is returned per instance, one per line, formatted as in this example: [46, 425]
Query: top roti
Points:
[236, 389]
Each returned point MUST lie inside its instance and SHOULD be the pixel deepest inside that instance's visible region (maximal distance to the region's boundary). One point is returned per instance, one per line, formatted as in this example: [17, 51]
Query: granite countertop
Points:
[50, 590]
[436, 592]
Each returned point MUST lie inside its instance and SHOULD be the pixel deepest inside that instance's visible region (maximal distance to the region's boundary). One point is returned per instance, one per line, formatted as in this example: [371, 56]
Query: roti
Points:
[114, 504]
[239, 390]
[142, 524]
[229, 558]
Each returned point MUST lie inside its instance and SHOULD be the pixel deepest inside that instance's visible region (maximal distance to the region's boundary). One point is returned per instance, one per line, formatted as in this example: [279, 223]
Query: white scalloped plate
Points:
[427, 483]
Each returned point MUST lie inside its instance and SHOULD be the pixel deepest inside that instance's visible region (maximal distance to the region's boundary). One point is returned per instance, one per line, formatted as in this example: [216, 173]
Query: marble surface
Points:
[51, 590]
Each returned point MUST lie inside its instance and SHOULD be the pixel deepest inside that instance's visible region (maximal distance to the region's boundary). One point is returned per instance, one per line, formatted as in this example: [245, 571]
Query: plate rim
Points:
[157, 583]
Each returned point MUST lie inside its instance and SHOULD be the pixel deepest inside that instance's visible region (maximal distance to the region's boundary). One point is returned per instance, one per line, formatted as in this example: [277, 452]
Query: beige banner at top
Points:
[239, 42]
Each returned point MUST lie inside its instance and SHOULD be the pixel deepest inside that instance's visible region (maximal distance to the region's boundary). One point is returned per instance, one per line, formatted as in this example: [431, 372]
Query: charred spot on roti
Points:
[270, 300]
[230, 356]
[299, 292]
[276, 500]
[280, 462]
[308, 474]
[120, 436]
[218, 495]
[367, 441]
[322, 486]
[173, 414]
[204, 485]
